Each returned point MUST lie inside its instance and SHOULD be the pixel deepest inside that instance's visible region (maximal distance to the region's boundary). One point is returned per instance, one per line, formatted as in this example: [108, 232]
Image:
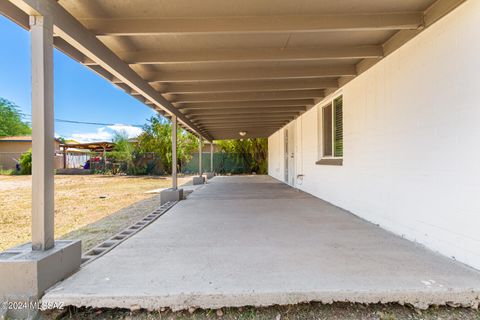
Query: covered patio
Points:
[252, 240]
[232, 69]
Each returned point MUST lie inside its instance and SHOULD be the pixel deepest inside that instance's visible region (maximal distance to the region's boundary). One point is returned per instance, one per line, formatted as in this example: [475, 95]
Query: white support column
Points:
[200, 147]
[174, 152]
[211, 156]
[41, 31]
[173, 194]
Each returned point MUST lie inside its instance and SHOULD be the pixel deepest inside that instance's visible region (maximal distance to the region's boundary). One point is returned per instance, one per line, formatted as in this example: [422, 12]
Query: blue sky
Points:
[80, 94]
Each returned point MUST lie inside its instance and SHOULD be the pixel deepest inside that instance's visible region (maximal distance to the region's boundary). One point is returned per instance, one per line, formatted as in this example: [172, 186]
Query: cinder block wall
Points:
[411, 141]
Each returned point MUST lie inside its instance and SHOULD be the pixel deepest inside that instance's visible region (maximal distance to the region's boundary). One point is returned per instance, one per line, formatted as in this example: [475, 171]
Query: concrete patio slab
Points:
[186, 188]
[254, 241]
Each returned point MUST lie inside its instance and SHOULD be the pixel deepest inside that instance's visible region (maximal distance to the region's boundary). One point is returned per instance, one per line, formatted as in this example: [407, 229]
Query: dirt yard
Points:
[90, 208]
[309, 311]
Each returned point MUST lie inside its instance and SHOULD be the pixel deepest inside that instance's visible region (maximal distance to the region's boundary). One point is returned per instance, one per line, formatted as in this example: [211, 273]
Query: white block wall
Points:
[411, 141]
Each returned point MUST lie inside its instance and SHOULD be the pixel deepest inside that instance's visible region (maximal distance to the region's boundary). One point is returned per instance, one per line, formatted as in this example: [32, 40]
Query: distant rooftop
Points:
[19, 139]
[93, 146]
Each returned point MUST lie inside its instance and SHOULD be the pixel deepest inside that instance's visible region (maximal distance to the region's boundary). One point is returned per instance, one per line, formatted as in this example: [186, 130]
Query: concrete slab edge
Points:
[107, 245]
[419, 299]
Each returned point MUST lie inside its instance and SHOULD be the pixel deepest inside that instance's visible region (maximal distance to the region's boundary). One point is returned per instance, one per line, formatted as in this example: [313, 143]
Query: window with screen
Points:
[332, 131]
[337, 123]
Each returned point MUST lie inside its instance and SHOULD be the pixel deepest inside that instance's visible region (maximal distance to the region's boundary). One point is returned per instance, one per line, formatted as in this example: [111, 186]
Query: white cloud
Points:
[130, 131]
[106, 133]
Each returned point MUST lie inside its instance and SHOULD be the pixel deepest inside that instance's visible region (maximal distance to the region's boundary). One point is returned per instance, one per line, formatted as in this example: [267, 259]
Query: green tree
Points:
[157, 138]
[123, 151]
[11, 123]
[253, 152]
[187, 144]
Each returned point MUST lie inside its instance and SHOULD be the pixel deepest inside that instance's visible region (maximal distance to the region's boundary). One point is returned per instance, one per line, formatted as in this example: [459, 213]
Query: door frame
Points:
[289, 155]
[285, 156]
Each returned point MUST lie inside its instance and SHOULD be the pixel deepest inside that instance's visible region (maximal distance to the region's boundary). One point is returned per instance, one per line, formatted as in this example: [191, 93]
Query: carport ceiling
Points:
[224, 66]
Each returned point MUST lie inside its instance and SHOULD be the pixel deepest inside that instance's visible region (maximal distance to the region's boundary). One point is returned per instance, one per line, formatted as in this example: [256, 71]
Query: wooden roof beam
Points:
[206, 123]
[245, 104]
[245, 128]
[246, 86]
[251, 54]
[244, 116]
[252, 74]
[245, 96]
[221, 134]
[252, 111]
[254, 24]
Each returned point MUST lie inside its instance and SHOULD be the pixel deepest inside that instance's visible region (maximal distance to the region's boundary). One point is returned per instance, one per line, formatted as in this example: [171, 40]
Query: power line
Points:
[97, 123]
[89, 123]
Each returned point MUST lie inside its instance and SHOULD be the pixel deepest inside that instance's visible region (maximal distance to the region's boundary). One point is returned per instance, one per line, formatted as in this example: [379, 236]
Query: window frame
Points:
[329, 159]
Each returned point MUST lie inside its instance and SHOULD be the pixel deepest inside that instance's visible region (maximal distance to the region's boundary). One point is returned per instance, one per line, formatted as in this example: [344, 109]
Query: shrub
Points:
[26, 162]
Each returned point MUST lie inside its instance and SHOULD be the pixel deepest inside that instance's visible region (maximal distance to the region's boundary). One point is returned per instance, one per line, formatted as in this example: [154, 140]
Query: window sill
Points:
[330, 162]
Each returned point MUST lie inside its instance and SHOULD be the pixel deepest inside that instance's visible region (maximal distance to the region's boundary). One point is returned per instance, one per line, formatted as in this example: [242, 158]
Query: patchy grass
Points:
[336, 311]
[99, 231]
[8, 172]
[90, 208]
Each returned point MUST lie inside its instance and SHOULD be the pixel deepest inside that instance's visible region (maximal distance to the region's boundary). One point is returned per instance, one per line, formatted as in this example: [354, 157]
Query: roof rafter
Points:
[242, 121]
[252, 111]
[251, 54]
[244, 116]
[246, 96]
[254, 24]
[245, 104]
[245, 86]
[252, 74]
[246, 128]
[237, 116]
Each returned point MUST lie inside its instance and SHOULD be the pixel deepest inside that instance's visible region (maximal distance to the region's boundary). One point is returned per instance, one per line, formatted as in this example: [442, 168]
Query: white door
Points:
[291, 156]
[285, 156]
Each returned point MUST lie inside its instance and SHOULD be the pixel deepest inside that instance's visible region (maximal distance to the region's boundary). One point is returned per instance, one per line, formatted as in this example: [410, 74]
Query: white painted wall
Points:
[411, 141]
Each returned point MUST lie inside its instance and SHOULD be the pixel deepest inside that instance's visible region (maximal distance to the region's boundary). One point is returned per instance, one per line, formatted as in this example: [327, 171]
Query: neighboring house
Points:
[11, 148]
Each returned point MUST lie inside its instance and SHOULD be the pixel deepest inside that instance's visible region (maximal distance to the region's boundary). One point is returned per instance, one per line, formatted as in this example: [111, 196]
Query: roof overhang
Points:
[223, 66]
